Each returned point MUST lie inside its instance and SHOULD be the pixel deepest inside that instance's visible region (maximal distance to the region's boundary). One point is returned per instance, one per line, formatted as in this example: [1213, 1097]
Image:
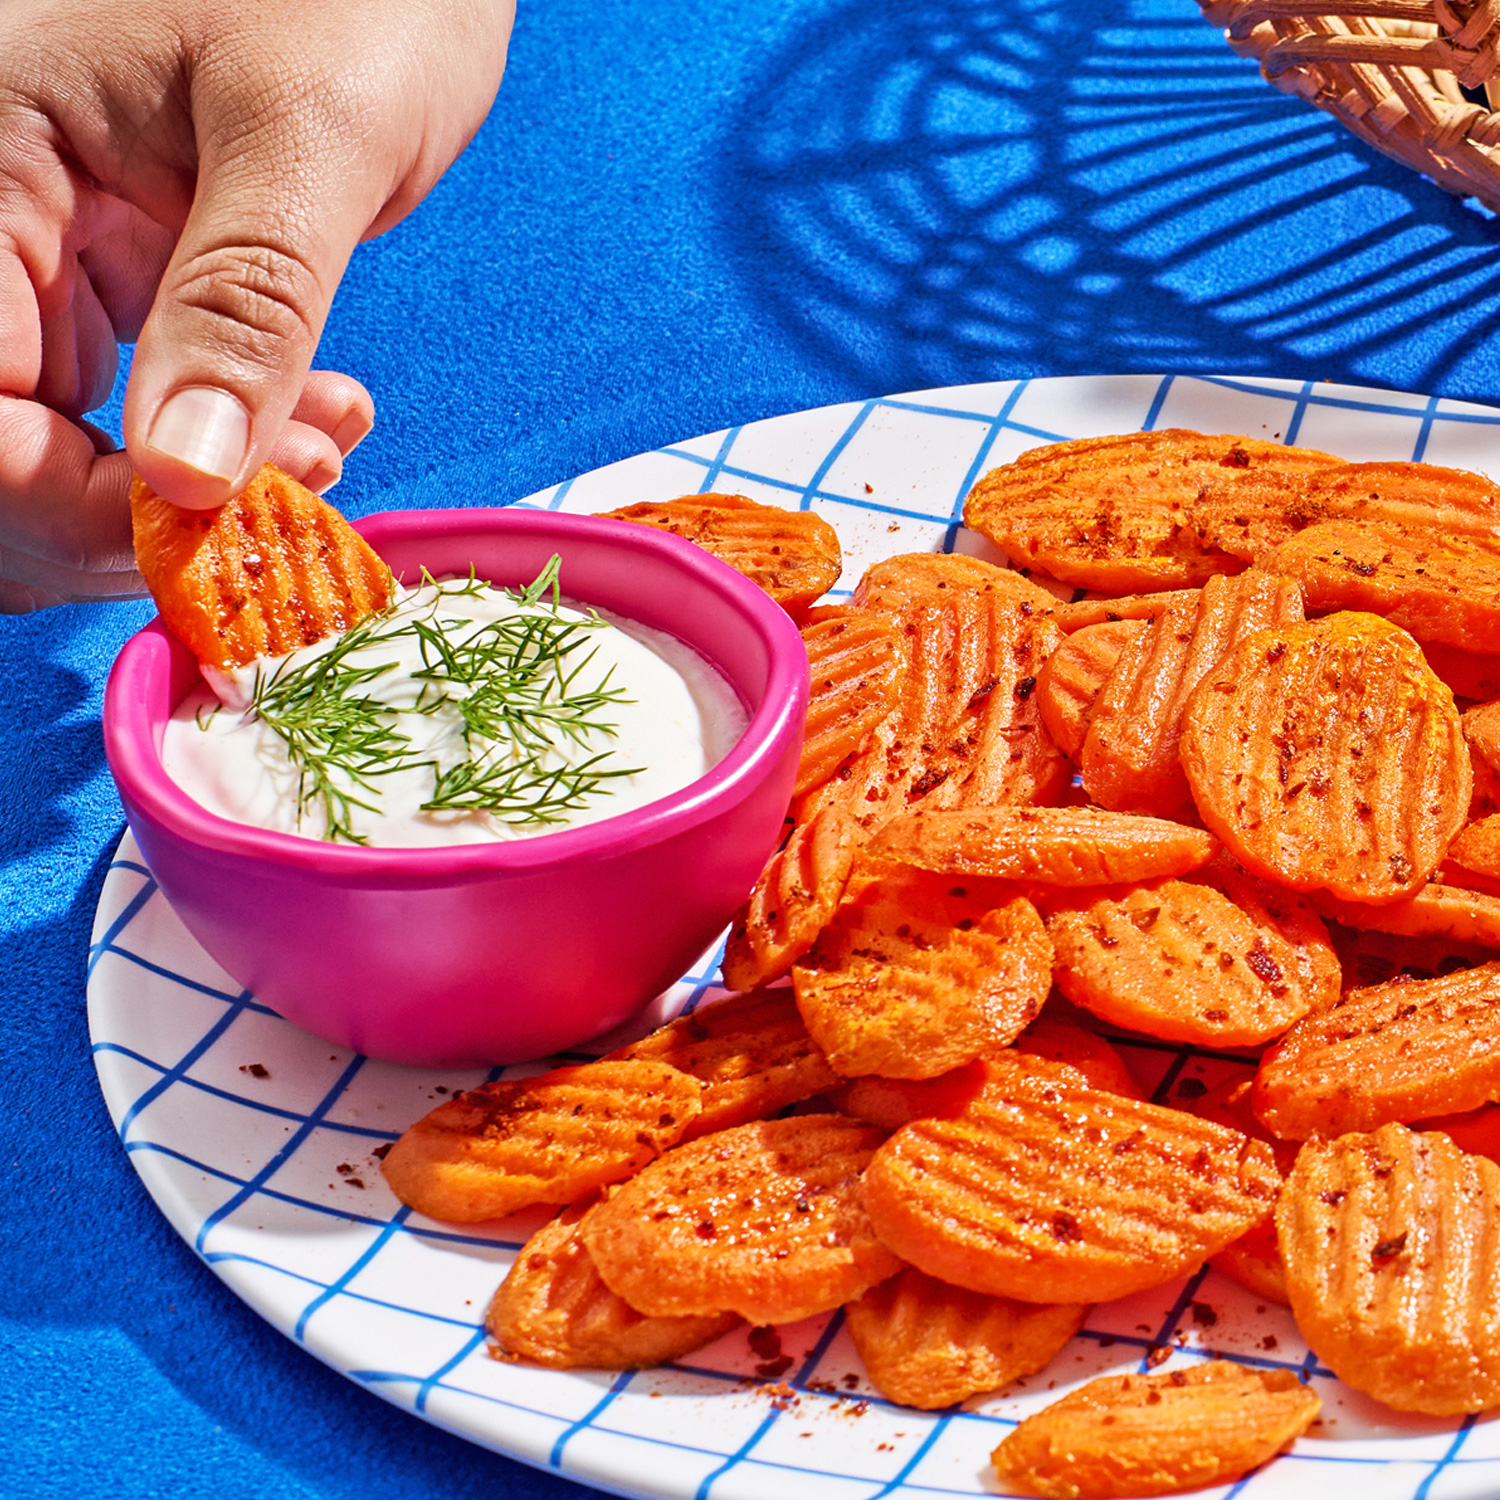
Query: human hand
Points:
[195, 177]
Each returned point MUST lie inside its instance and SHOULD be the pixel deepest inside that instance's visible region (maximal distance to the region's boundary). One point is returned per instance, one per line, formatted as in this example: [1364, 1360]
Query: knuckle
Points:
[258, 297]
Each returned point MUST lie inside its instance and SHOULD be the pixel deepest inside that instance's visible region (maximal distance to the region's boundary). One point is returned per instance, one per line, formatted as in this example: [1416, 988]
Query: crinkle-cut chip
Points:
[1158, 1434]
[1482, 731]
[793, 901]
[1470, 674]
[1400, 1051]
[1047, 1190]
[553, 1138]
[792, 554]
[1073, 676]
[763, 1220]
[1442, 588]
[891, 1103]
[1129, 755]
[1477, 847]
[1220, 960]
[1251, 517]
[1368, 957]
[918, 975]
[554, 1309]
[1253, 1260]
[856, 664]
[270, 571]
[1476, 1131]
[1108, 513]
[1484, 801]
[1114, 609]
[1063, 1041]
[1392, 1248]
[929, 1345]
[896, 583]
[1327, 756]
[965, 729]
[1067, 846]
[1454, 913]
[751, 1053]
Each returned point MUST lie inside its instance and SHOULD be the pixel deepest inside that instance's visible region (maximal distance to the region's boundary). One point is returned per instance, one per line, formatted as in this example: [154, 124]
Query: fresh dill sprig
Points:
[515, 685]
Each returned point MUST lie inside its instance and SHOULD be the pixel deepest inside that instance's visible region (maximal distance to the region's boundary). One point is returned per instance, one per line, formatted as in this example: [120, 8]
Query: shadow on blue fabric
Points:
[950, 190]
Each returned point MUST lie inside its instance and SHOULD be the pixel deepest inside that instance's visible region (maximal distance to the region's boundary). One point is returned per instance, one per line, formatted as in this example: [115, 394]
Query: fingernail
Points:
[352, 431]
[206, 429]
[323, 476]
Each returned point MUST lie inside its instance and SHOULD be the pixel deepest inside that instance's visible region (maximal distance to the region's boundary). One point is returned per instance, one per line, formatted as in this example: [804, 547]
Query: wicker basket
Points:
[1393, 71]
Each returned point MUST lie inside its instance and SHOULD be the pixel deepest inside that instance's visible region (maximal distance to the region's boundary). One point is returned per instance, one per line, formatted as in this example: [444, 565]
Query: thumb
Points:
[225, 351]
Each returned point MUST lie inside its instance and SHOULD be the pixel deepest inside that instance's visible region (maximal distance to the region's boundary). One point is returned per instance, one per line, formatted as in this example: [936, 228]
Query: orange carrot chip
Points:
[763, 1220]
[751, 1053]
[894, 584]
[1327, 756]
[554, 1309]
[1066, 846]
[1108, 513]
[929, 1345]
[794, 900]
[1129, 755]
[1073, 676]
[856, 664]
[1477, 847]
[918, 975]
[1458, 914]
[792, 554]
[554, 1138]
[1400, 1051]
[1114, 609]
[1219, 960]
[1158, 1434]
[273, 570]
[1441, 587]
[1251, 517]
[1049, 1191]
[1391, 1269]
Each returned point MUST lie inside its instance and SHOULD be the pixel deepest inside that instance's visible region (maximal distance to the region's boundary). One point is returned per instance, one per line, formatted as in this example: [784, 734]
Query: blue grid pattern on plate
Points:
[162, 1034]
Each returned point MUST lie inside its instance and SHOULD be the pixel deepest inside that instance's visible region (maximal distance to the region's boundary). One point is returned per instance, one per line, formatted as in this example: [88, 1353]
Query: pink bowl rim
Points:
[144, 784]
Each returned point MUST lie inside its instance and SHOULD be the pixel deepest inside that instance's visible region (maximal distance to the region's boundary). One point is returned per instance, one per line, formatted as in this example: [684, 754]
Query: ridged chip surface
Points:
[1218, 960]
[792, 554]
[1108, 513]
[763, 1220]
[554, 1309]
[856, 664]
[553, 1138]
[918, 974]
[1159, 1434]
[1073, 676]
[1327, 756]
[273, 570]
[794, 899]
[1065, 846]
[1048, 1191]
[1441, 587]
[930, 1345]
[1392, 1249]
[893, 584]
[1454, 913]
[1249, 518]
[751, 1053]
[1129, 755]
[1400, 1051]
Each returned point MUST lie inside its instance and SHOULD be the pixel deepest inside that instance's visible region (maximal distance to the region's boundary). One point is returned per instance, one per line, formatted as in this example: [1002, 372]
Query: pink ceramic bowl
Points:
[485, 953]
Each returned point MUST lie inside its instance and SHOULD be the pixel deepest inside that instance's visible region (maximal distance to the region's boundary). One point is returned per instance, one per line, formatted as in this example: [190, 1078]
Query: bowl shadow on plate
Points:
[952, 191]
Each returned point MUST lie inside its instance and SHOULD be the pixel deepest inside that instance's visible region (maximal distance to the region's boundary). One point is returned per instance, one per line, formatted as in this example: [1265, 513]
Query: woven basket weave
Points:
[1392, 71]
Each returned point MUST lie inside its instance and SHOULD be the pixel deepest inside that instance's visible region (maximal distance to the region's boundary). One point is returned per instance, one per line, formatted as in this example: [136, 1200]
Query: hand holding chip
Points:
[195, 176]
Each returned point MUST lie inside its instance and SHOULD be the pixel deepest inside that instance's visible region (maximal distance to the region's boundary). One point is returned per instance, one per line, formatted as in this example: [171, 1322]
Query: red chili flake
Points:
[1388, 1250]
[1158, 1354]
[383, 1150]
[1276, 652]
[1260, 963]
[928, 781]
[1191, 1088]
[1332, 1196]
[706, 1230]
[1025, 687]
[1065, 1228]
[255, 1070]
[1204, 1315]
[977, 697]
[774, 1367]
[1236, 458]
[1364, 569]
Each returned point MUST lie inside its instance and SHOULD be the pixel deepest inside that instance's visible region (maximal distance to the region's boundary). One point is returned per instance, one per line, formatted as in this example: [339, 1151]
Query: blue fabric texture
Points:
[679, 216]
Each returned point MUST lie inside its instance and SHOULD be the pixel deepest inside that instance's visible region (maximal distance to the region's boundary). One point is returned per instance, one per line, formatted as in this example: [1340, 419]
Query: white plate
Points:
[256, 1139]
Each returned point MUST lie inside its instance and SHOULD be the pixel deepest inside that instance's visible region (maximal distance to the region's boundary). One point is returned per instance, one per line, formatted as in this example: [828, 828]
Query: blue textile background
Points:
[679, 216]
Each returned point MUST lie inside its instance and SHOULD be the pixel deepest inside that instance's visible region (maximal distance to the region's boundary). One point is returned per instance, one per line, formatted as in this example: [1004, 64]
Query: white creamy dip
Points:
[364, 743]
